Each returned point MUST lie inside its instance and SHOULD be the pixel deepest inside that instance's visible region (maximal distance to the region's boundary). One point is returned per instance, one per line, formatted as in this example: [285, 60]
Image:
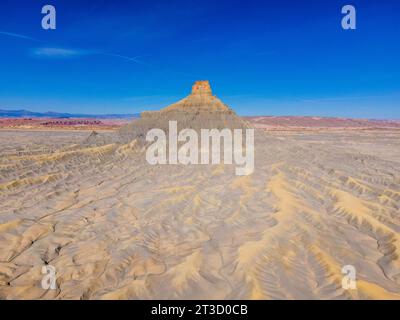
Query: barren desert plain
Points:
[115, 227]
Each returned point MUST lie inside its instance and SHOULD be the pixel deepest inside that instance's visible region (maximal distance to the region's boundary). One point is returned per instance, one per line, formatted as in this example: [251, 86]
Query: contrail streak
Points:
[134, 59]
[20, 36]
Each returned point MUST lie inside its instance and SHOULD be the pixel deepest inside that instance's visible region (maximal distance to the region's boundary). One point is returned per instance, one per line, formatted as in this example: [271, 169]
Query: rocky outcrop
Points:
[199, 110]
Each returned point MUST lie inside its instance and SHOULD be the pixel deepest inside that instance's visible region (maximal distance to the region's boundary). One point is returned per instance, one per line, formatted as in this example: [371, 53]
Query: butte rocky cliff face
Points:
[199, 110]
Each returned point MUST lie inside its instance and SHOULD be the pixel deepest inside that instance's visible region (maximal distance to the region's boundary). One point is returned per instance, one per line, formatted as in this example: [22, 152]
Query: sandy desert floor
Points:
[115, 227]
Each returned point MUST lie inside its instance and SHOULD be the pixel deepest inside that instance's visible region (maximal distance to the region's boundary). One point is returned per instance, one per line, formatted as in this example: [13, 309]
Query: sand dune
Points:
[115, 227]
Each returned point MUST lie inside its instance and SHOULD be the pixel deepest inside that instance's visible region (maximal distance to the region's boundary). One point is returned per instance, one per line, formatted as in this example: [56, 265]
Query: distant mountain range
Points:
[49, 114]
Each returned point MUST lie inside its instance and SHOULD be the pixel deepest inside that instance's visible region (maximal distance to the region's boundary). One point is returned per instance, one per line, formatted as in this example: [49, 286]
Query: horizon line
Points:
[71, 115]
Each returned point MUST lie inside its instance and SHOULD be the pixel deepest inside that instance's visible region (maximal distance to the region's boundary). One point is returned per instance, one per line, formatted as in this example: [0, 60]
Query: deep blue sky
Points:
[262, 57]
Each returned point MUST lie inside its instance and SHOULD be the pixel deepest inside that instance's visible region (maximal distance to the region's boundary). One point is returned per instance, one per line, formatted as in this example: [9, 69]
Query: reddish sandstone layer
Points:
[302, 122]
[64, 124]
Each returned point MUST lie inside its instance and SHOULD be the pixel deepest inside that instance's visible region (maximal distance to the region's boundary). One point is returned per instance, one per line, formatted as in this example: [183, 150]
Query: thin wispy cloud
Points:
[57, 52]
[49, 52]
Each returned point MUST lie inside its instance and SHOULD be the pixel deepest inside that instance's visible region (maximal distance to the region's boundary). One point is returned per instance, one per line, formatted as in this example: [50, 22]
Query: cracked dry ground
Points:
[115, 227]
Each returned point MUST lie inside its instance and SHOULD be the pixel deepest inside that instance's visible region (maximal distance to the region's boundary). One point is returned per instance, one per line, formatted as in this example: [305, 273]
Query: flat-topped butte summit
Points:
[201, 99]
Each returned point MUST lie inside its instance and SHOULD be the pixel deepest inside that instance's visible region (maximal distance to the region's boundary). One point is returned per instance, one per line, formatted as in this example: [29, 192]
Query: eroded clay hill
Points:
[199, 110]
